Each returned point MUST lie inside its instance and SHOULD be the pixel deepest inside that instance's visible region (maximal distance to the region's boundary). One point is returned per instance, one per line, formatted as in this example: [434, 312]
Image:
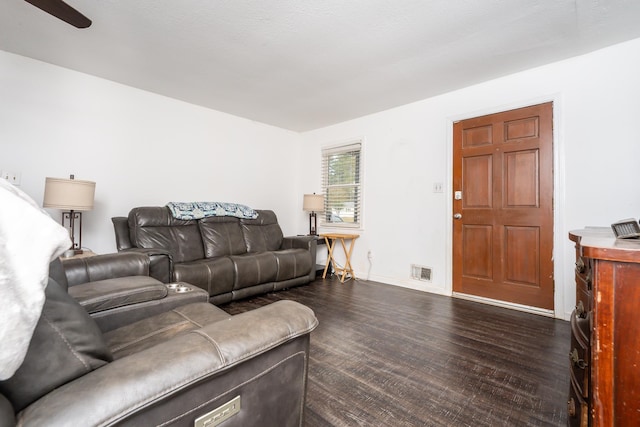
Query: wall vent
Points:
[419, 272]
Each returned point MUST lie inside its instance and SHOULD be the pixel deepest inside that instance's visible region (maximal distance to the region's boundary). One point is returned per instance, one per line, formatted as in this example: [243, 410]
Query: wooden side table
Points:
[331, 239]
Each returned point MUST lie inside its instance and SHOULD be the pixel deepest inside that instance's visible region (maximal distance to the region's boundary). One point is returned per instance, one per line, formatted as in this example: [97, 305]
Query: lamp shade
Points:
[69, 194]
[313, 203]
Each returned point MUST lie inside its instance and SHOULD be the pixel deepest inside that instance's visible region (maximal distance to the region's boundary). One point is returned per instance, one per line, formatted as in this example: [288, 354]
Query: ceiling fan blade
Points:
[63, 11]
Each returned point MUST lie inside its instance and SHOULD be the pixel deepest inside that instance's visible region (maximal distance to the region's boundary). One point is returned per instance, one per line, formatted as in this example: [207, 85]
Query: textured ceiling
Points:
[305, 64]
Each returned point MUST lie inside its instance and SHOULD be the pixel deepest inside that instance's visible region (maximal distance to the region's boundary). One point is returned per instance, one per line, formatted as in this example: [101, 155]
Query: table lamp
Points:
[313, 203]
[73, 196]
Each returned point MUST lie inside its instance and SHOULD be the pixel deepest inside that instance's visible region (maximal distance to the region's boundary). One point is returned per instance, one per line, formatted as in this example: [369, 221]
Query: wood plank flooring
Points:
[389, 356]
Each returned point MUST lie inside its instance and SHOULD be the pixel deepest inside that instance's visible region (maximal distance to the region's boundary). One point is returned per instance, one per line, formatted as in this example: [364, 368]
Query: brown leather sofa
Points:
[230, 258]
[166, 366]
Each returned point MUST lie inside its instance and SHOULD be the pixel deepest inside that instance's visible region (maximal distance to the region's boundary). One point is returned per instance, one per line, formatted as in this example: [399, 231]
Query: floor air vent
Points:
[419, 272]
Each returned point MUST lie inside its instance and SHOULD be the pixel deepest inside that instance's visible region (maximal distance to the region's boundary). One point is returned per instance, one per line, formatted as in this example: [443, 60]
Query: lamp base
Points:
[313, 224]
[76, 241]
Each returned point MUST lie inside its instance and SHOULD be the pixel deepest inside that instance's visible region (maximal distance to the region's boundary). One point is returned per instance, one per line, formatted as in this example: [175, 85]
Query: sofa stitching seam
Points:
[214, 345]
[275, 343]
[187, 318]
[66, 341]
[144, 337]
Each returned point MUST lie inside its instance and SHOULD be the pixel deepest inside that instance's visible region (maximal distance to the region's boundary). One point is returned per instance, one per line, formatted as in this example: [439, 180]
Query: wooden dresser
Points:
[605, 331]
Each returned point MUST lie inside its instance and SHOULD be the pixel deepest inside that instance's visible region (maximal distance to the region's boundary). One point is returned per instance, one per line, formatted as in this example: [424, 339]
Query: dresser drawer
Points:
[583, 294]
[579, 353]
[577, 409]
[584, 285]
[583, 302]
[584, 270]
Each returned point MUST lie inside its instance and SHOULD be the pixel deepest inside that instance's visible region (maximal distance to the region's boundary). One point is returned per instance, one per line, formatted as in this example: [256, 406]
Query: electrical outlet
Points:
[12, 177]
[370, 254]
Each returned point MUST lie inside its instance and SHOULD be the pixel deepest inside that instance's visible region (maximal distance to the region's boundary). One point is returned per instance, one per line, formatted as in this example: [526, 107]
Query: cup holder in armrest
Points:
[178, 287]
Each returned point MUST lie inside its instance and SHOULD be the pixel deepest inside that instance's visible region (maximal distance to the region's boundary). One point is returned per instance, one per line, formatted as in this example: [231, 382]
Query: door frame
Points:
[559, 198]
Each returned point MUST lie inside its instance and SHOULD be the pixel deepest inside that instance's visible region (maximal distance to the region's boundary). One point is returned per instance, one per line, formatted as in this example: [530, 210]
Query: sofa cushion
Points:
[254, 269]
[222, 236]
[148, 332]
[66, 344]
[214, 275]
[155, 227]
[262, 234]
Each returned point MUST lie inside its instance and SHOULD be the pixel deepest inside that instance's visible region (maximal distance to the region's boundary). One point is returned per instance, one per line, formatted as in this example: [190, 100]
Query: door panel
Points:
[474, 137]
[503, 243]
[521, 186]
[522, 128]
[476, 239]
[522, 263]
[478, 181]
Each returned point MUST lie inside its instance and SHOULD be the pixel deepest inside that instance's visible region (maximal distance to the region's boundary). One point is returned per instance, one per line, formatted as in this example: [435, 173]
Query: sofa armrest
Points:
[140, 307]
[247, 355]
[109, 294]
[121, 228]
[161, 266]
[300, 242]
[303, 242]
[107, 266]
[161, 262]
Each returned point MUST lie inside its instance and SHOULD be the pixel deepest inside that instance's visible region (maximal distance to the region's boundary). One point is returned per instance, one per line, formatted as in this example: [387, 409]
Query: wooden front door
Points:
[503, 206]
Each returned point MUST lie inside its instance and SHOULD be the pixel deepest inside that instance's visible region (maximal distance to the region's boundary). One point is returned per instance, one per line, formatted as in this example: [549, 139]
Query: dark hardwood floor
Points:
[389, 356]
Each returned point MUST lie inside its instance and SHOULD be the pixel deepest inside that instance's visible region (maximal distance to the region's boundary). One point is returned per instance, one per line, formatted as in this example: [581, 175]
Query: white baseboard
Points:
[504, 304]
[417, 285]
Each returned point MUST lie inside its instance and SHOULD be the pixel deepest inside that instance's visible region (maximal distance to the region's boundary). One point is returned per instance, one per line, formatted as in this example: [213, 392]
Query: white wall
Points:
[144, 149]
[140, 148]
[407, 149]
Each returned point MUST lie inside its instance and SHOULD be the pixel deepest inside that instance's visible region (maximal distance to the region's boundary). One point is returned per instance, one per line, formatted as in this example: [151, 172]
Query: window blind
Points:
[342, 185]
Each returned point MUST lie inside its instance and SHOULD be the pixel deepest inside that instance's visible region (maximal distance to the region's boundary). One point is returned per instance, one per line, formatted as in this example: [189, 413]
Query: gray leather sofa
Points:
[168, 368]
[230, 258]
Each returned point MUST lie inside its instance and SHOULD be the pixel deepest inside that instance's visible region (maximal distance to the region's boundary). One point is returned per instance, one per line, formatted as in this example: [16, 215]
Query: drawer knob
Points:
[575, 358]
[571, 407]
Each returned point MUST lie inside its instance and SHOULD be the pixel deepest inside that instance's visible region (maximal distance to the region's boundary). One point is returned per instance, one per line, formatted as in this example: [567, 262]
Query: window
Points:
[342, 185]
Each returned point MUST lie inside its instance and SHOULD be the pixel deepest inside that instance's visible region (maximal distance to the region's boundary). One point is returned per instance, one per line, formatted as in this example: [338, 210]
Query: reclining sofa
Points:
[231, 258]
[141, 358]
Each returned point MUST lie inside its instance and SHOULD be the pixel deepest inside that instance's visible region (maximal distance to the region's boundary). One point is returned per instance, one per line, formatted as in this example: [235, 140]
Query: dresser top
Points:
[600, 243]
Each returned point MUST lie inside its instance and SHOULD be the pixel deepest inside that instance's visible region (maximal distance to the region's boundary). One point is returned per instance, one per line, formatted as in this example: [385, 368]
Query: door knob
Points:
[457, 216]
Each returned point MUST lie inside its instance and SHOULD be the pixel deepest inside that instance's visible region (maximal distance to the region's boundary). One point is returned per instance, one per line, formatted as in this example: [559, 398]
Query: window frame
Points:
[343, 147]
